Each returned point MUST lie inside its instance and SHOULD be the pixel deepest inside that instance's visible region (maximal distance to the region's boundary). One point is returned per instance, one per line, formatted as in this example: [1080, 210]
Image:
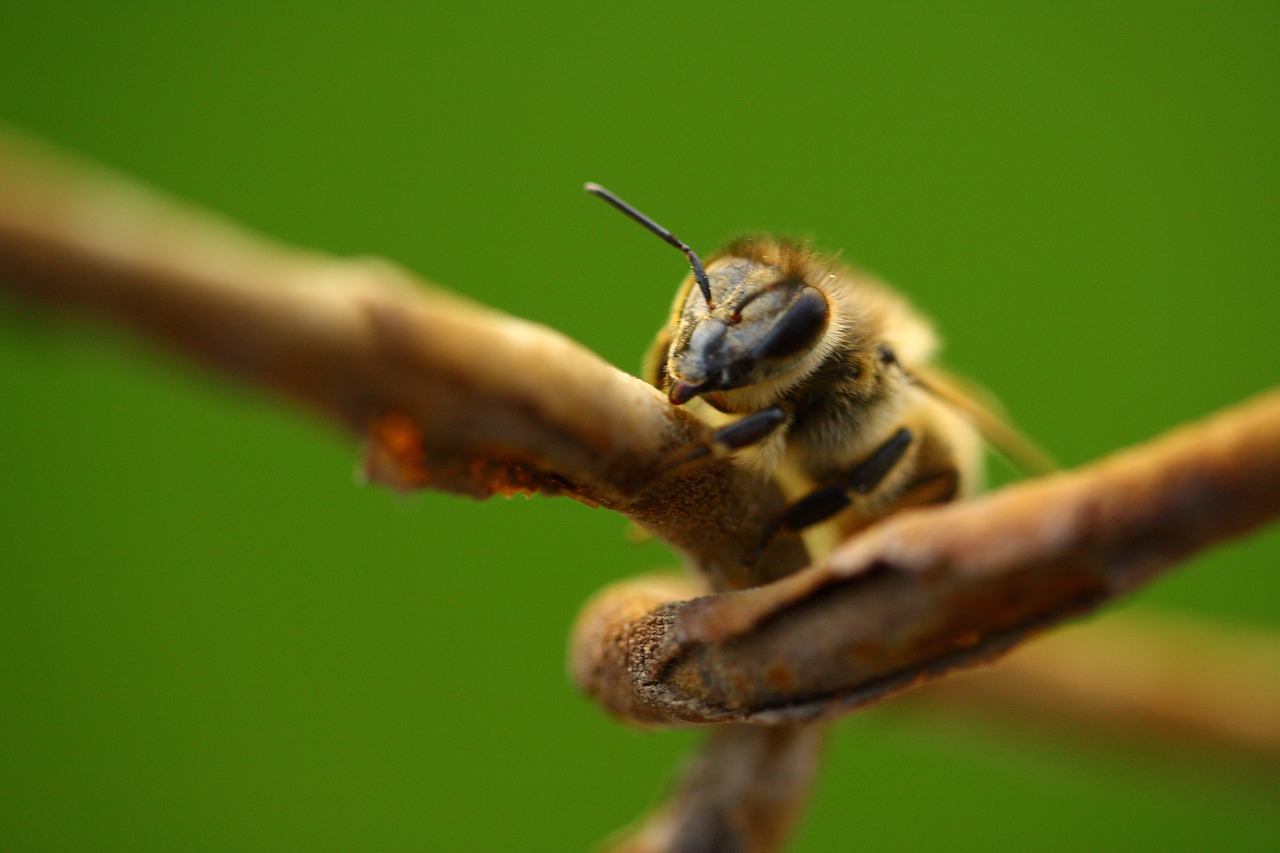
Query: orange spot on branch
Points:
[395, 453]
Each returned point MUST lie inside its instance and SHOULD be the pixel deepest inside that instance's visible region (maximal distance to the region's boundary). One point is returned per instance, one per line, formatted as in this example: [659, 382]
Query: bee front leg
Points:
[746, 431]
[862, 480]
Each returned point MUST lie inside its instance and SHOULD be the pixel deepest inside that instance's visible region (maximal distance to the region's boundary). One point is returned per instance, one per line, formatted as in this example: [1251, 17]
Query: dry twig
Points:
[936, 589]
[1133, 676]
[452, 396]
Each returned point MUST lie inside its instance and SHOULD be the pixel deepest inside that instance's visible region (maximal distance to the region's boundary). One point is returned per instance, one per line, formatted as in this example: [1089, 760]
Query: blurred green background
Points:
[211, 638]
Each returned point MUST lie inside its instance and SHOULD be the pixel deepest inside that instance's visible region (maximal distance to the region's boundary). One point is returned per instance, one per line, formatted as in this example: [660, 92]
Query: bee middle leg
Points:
[744, 432]
[822, 504]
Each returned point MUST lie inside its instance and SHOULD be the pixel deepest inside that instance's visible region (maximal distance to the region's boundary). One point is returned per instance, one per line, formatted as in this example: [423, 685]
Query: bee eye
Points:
[797, 330]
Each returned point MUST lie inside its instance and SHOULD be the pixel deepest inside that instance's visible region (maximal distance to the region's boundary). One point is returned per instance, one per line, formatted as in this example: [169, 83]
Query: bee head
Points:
[755, 318]
[762, 322]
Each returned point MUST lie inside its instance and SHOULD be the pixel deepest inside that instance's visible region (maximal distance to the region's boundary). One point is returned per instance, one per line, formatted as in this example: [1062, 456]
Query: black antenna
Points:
[699, 274]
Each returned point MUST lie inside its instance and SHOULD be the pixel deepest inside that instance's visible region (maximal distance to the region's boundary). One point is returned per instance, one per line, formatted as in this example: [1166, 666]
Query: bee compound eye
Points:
[798, 328]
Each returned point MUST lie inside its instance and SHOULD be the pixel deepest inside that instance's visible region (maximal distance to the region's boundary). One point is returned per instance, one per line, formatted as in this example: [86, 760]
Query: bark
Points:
[449, 395]
[933, 590]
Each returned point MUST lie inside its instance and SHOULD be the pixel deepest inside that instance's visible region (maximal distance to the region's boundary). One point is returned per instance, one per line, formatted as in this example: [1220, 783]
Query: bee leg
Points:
[820, 505]
[744, 432]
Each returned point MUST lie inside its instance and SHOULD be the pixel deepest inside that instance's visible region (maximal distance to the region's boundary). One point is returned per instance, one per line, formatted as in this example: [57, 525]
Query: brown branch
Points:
[452, 396]
[934, 590]
[742, 792]
[1137, 676]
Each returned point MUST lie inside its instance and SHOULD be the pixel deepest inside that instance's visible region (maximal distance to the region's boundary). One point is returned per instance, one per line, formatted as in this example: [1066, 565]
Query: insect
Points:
[822, 378]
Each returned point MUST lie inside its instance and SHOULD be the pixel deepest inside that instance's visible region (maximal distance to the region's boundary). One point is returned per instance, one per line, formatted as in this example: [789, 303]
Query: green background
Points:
[211, 638]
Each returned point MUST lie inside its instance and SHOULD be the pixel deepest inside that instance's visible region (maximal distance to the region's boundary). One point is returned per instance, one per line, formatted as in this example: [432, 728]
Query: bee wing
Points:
[988, 417]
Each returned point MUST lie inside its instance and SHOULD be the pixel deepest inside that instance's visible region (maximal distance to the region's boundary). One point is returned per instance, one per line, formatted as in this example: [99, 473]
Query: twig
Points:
[451, 395]
[1144, 677]
[741, 792]
[939, 589]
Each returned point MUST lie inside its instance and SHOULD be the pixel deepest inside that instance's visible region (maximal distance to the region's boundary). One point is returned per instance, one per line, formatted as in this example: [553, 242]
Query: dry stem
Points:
[454, 396]
[1133, 676]
[937, 589]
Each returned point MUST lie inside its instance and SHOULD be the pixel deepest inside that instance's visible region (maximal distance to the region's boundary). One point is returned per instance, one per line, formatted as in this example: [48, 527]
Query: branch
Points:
[743, 791]
[934, 590]
[1148, 678]
[449, 395]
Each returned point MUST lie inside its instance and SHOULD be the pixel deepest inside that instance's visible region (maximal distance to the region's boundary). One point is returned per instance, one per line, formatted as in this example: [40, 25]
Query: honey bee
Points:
[822, 378]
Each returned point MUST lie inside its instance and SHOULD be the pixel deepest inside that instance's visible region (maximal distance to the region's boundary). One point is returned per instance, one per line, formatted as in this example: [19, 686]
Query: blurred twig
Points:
[1133, 676]
[449, 395]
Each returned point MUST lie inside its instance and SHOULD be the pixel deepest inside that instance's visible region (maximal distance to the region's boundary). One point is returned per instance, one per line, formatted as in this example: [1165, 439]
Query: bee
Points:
[821, 378]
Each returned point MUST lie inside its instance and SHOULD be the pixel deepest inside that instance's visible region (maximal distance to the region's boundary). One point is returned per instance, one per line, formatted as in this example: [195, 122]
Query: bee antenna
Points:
[699, 274]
